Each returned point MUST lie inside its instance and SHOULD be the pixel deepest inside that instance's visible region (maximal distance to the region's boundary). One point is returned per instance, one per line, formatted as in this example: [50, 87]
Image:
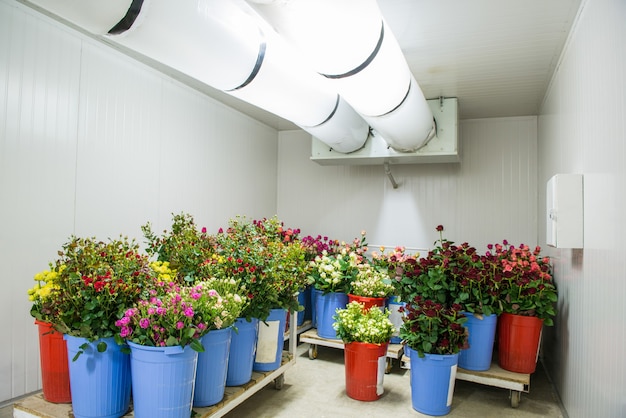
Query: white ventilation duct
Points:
[349, 43]
[94, 16]
[221, 45]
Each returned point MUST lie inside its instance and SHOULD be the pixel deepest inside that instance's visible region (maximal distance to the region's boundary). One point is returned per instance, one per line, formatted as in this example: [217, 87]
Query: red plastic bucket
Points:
[365, 370]
[367, 301]
[518, 342]
[55, 374]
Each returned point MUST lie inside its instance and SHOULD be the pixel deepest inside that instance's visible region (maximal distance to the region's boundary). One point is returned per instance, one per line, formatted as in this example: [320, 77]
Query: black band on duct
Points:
[255, 70]
[367, 61]
[401, 101]
[330, 116]
[128, 19]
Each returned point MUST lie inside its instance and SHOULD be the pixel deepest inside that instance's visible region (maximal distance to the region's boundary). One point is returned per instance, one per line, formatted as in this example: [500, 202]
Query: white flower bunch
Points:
[334, 273]
[356, 324]
[371, 283]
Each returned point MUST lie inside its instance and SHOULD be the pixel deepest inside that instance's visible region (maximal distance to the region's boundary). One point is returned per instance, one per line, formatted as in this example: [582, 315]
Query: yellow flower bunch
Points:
[41, 294]
[163, 271]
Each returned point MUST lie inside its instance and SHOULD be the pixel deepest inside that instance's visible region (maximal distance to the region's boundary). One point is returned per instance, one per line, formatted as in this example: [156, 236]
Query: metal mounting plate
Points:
[443, 148]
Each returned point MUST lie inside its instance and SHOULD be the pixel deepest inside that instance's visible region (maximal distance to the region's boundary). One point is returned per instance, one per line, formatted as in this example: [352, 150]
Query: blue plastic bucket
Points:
[241, 353]
[395, 316]
[432, 382]
[304, 300]
[99, 382]
[269, 346]
[326, 308]
[163, 380]
[308, 306]
[482, 333]
[314, 294]
[212, 367]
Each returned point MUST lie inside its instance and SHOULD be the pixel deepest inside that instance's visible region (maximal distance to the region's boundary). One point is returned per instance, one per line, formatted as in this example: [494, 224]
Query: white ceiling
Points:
[496, 56]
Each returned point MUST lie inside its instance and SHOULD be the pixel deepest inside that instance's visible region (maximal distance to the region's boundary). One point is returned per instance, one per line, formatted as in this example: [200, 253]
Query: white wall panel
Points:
[94, 143]
[118, 144]
[489, 196]
[227, 167]
[38, 92]
[582, 129]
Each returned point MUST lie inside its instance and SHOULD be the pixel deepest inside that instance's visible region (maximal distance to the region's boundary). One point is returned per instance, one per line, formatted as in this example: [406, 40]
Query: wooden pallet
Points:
[496, 376]
[394, 351]
[36, 406]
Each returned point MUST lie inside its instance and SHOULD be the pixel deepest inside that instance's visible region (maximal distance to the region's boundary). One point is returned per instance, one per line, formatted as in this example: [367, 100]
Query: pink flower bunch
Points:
[274, 229]
[397, 263]
[316, 246]
[526, 280]
[180, 315]
[166, 318]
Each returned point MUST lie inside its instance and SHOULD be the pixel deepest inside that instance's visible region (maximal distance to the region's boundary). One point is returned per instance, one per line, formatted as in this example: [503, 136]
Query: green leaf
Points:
[102, 347]
[196, 345]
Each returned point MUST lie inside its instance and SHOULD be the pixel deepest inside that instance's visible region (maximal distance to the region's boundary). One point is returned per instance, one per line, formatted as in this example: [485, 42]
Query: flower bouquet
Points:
[366, 334]
[335, 272]
[331, 275]
[431, 327]
[528, 302]
[354, 324]
[95, 282]
[525, 281]
[240, 254]
[372, 283]
[52, 348]
[42, 295]
[475, 286]
[176, 315]
[286, 268]
[395, 264]
[434, 335]
[317, 246]
[184, 248]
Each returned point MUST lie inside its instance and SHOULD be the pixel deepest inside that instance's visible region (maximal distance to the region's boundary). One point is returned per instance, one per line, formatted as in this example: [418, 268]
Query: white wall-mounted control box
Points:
[564, 203]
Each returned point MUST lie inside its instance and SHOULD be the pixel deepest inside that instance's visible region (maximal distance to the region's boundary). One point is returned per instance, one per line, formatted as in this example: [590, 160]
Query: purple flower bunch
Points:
[315, 246]
[169, 317]
[180, 315]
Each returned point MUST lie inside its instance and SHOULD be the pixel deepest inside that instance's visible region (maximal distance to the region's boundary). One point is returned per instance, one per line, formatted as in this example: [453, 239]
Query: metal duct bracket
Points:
[391, 179]
[443, 148]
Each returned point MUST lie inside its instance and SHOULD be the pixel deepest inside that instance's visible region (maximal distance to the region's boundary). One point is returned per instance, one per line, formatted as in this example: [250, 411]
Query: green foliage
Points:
[370, 282]
[433, 328]
[526, 281]
[97, 280]
[266, 258]
[184, 247]
[356, 324]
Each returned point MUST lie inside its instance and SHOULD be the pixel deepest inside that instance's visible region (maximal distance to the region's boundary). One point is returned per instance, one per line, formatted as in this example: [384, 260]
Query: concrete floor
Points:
[316, 388]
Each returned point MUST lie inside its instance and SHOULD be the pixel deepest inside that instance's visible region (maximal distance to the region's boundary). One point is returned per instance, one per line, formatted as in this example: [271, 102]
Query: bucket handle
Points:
[175, 351]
